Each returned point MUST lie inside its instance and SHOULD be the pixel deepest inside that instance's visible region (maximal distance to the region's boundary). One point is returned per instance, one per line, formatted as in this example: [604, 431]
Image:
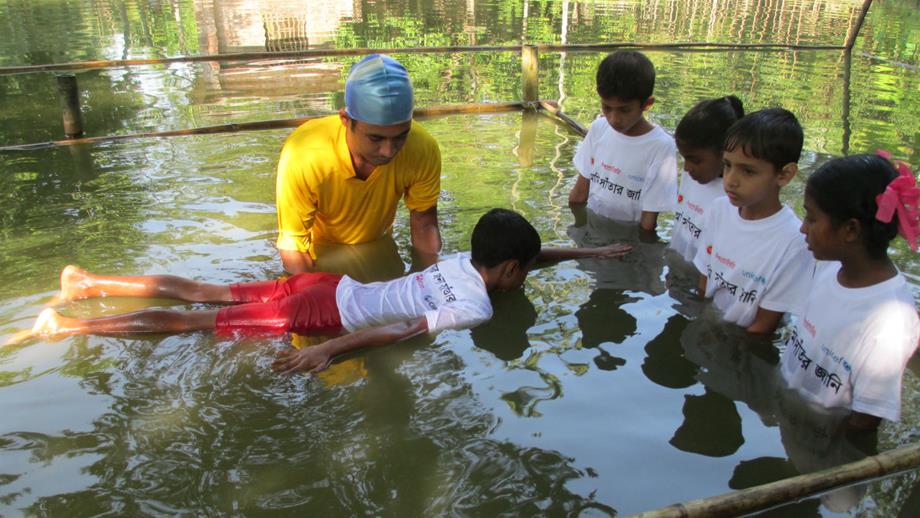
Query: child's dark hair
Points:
[774, 135]
[501, 235]
[846, 188]
[627, 75]
[704, 126]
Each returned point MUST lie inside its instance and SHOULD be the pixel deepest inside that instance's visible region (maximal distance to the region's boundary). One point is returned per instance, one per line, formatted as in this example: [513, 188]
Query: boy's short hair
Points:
[501, 235]
[627, 75]
[773, 134]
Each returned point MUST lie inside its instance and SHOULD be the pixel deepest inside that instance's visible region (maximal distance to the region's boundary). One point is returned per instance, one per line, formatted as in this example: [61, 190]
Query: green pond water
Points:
[596, 390]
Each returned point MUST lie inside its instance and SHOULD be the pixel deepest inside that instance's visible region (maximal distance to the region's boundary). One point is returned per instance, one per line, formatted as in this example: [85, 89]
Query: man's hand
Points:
[313, 359]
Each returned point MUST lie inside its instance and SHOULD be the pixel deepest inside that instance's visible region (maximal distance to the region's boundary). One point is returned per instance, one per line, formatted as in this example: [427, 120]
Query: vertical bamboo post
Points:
[529, 73]
[847, 71]
[854, 30]
[70, 105]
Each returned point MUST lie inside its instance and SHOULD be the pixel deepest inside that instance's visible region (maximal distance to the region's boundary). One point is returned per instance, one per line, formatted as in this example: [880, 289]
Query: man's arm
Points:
[579, 193]
[318, 357]
[426, 236]
[765, 321]
[701, 286]
[295, 262]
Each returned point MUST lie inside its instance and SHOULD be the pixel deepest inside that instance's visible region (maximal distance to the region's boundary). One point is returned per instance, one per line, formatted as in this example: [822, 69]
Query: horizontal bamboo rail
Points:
[421, 113]
[792, 489]
[316, 53]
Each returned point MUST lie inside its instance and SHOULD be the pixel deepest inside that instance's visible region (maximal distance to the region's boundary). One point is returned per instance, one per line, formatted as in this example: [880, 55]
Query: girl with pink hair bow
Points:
[851, 341]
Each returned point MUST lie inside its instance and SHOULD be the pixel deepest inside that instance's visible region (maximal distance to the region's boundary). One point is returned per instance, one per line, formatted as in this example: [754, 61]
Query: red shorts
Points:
[303, 303]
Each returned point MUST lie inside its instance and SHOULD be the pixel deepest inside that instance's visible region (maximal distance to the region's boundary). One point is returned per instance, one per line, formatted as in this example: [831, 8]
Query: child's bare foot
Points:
[76, 284]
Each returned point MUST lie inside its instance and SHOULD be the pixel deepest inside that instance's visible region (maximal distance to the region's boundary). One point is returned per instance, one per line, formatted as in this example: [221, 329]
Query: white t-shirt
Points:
[753, 263]
[627, 175]
[450, 295]
[693, 200]
[850, 346]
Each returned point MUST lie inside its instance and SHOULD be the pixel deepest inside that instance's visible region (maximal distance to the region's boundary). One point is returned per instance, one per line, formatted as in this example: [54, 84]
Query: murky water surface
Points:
[595, 390]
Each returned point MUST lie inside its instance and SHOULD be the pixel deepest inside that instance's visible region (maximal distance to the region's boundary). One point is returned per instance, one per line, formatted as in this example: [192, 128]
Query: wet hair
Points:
[846, 188]
[501, 235]
[773, 134]
[705, 125]
[627, 75]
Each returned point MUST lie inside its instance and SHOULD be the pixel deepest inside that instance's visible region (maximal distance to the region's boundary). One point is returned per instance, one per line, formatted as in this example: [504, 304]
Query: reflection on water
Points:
[592, 388]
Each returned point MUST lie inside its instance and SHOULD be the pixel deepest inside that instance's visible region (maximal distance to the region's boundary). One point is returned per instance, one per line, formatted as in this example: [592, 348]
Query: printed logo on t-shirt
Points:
[680, 198]
[709, 249]
[756, 277]
[809, 327]
[610, 167]
[725, 260]
[696, 208]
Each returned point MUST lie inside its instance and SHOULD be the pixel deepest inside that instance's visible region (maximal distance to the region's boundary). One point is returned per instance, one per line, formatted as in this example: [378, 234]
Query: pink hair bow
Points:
[902, 197]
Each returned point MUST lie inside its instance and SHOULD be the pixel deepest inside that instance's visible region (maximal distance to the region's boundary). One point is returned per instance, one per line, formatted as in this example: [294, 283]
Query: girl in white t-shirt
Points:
[859, 326]
[699, 136]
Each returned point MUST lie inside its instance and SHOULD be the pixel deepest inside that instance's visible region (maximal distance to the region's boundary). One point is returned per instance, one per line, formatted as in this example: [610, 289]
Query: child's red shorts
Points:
[303, 304]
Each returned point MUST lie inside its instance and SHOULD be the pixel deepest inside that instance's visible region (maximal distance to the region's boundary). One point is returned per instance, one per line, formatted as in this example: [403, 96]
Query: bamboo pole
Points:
[530, 64]
[553, 108]
[70, 105]
[421, 113]
[317, 53]
[792, 489]
[854, 30]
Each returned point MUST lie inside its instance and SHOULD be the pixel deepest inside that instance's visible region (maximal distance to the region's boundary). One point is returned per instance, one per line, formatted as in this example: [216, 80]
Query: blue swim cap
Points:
[378, 91]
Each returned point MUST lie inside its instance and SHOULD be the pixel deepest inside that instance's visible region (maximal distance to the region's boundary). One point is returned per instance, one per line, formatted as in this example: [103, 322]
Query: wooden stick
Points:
[854, 30]
[792, 489]
[421, 113]
[70, 105]
[553, 108]
[317, 53]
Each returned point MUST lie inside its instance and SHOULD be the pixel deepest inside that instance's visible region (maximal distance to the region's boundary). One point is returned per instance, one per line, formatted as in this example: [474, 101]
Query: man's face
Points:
[373, 144]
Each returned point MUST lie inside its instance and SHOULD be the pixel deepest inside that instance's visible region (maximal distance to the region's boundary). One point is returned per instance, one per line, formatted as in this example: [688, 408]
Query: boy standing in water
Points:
[753, 261]
[627, 166]
[452, 294]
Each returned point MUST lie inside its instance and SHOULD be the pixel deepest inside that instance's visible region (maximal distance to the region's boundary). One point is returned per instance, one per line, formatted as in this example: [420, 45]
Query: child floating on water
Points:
[752, 259]
[859, 325]
[452, 294]
[627, 166]
[700, 136]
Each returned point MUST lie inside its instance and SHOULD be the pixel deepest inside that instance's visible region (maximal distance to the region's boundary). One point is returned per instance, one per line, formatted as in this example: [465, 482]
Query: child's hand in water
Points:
[613, 250]
[313, 359]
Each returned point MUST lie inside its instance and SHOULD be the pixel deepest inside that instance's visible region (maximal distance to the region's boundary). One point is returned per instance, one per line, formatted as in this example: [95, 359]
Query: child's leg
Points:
[145, 321]
[80, 284]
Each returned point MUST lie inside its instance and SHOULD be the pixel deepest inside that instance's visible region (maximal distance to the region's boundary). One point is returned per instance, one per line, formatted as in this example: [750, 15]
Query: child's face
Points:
[514, 278]
[622, 115]
[752, 184]
[702, 164]
[823, 237]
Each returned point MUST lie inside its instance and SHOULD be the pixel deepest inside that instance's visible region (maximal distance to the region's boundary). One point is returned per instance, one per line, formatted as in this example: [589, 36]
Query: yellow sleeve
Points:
[295, 203]
[423, 192]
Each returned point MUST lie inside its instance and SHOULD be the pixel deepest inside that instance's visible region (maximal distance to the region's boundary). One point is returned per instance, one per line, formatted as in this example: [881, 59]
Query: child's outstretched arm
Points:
[318, 357]
[556, 254]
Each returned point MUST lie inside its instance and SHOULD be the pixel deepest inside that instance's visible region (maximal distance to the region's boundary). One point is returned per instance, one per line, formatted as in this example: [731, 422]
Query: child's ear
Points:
[510, 267]
[851, 230]
[648, 103]
[787, 173]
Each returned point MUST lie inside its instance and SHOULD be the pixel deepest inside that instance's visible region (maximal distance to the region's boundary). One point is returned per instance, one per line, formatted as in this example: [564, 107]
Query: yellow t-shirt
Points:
[320, 200]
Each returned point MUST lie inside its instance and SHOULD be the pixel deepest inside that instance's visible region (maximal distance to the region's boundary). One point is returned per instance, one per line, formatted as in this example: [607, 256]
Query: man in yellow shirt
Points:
[341, 177]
